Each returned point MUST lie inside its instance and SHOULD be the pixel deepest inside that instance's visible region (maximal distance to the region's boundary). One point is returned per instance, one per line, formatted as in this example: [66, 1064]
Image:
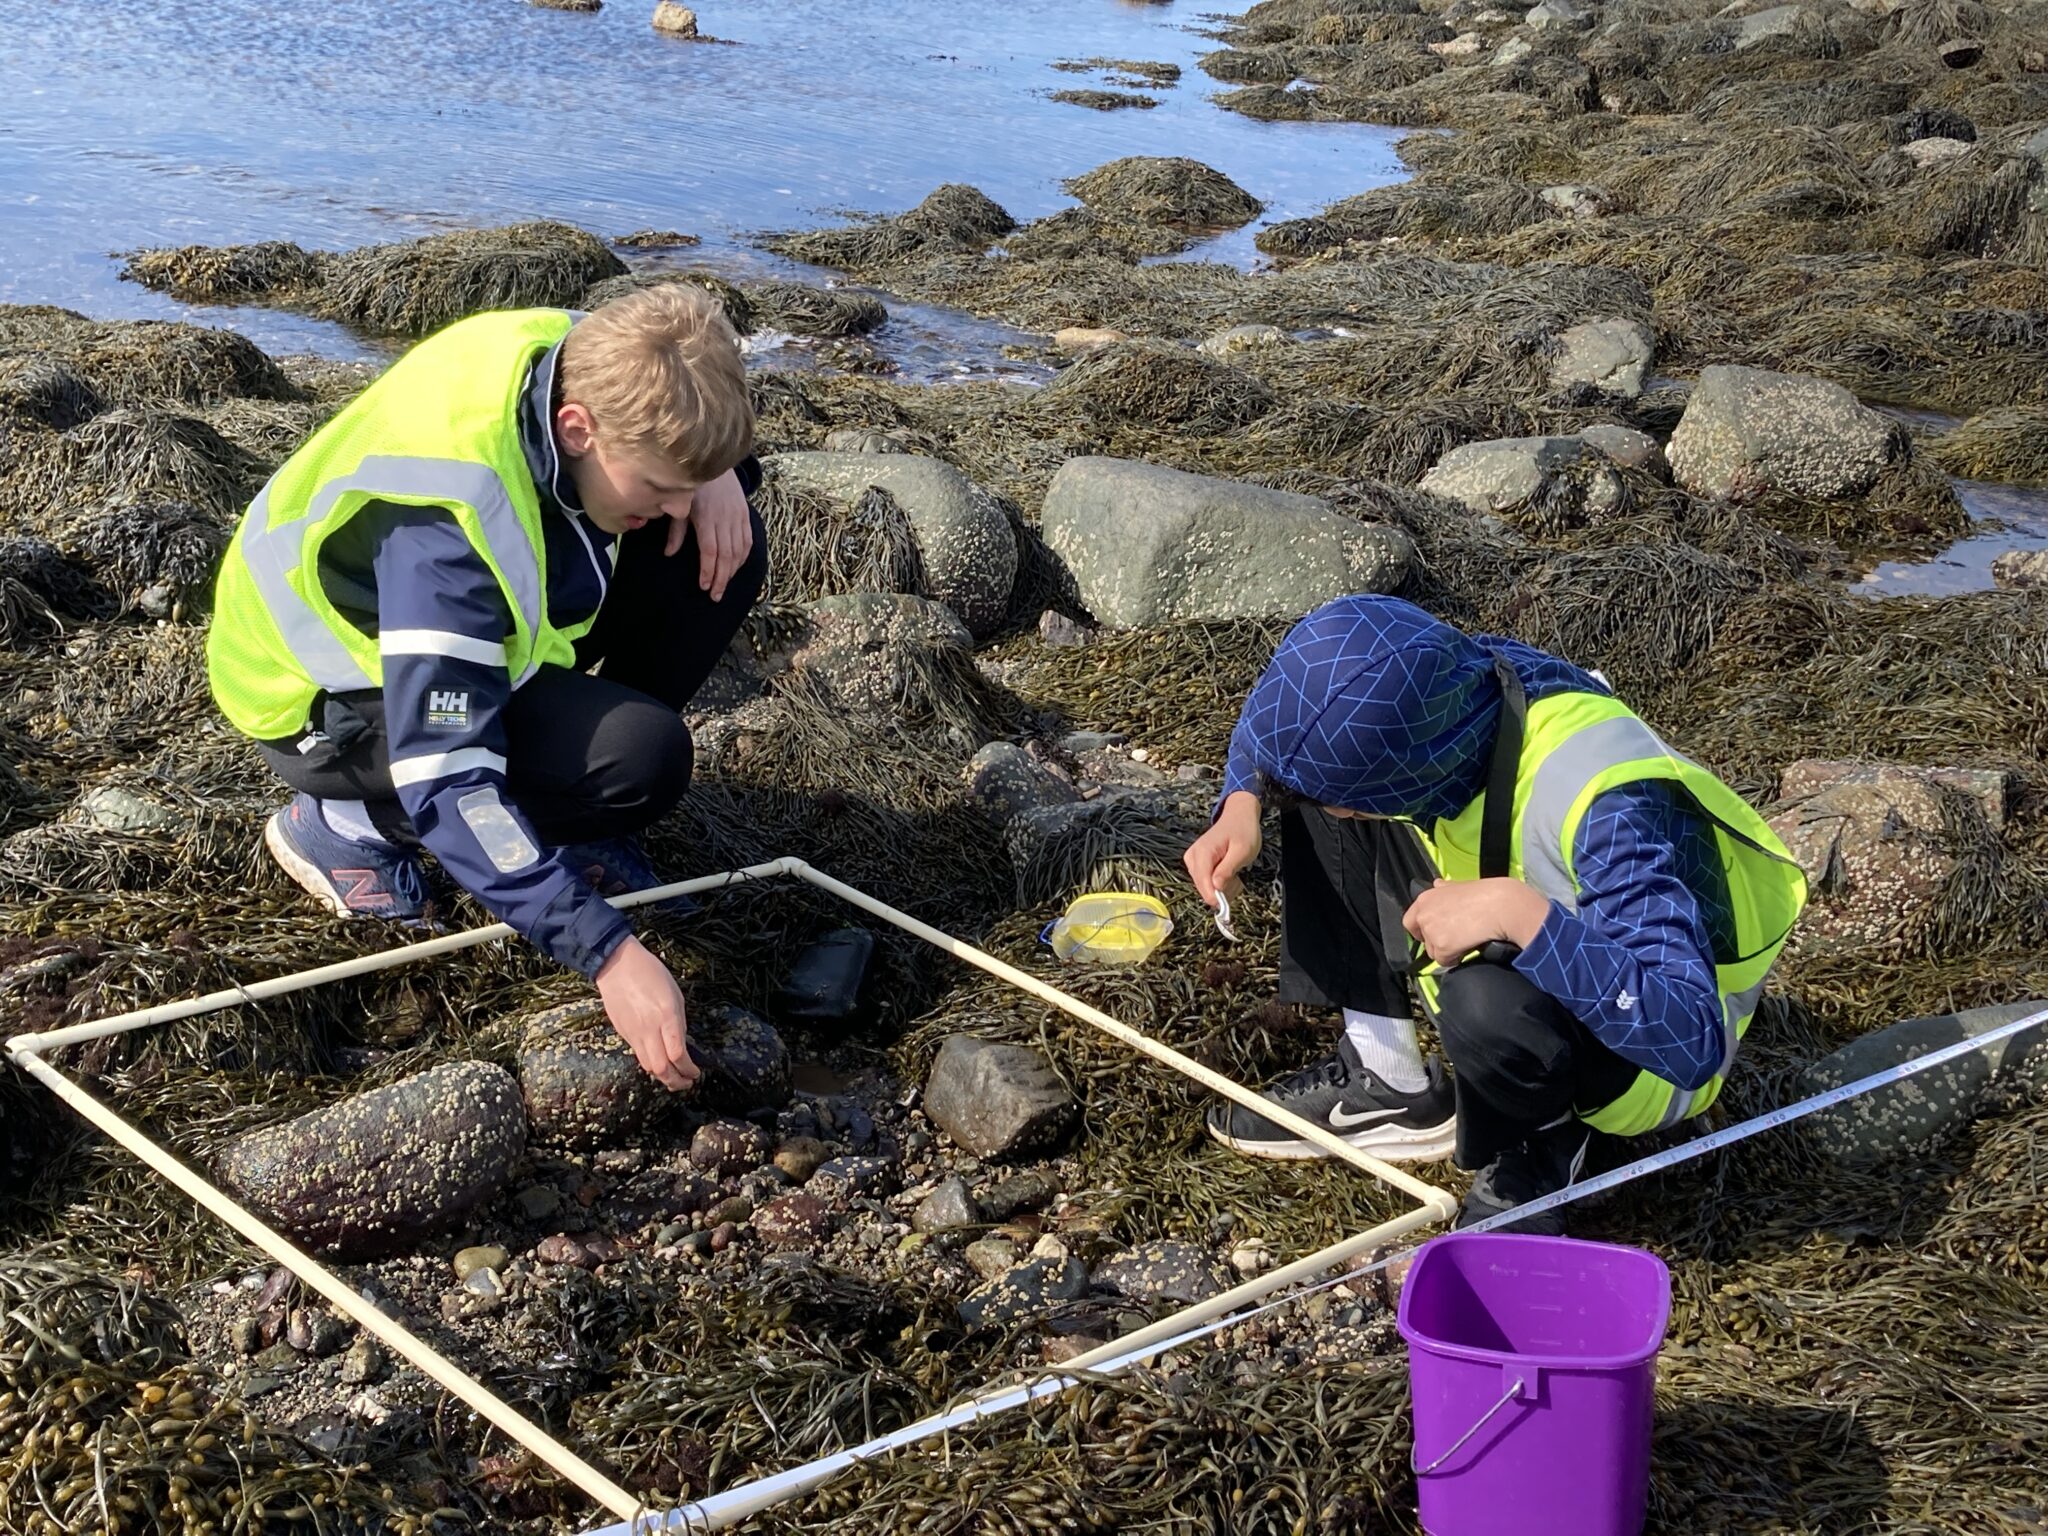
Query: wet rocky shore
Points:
[1686, 317]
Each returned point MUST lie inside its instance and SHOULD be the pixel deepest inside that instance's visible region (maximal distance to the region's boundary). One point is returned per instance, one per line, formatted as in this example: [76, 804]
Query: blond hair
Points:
[659, 370]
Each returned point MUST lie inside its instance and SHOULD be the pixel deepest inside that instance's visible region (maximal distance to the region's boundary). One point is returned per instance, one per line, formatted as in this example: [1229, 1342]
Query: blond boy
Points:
[407, 617]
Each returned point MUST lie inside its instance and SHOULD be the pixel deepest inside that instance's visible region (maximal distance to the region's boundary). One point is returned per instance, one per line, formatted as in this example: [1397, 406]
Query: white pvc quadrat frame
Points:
[715, 1512]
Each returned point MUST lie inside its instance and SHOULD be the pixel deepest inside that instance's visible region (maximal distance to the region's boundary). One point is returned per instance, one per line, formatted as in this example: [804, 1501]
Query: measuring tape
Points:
[1769, 1120]
[1657, 1162]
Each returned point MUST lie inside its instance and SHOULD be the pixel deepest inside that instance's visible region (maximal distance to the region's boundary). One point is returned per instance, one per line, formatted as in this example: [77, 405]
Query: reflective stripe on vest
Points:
[274, 552]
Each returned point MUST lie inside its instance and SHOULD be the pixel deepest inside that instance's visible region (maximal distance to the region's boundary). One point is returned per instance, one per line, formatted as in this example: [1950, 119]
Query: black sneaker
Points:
[1353, 1102]
[1548, 1161]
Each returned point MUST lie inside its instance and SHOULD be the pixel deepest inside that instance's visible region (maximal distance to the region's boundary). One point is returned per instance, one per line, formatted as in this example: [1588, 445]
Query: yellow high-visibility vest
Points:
[439, 428]
[1575, 747]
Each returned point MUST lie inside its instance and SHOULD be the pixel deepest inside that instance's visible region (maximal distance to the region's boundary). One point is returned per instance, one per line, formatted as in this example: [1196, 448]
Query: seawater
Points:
[345, 122]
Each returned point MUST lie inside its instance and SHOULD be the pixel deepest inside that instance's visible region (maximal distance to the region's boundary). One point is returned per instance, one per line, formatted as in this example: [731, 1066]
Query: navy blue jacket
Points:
[1372, 705]
[408, 575]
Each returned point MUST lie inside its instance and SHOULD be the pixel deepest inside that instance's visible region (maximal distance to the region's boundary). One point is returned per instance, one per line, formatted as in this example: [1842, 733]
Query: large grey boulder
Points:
[377, 1173]
[996, 1100]
[1810, 775]
[1558, 15]
[1624, 445]
[1149, 546]
[1928, 153]
[1763, 26]
[1510, 473]
[1904, 1116]
[1577, 200]
[1749, 432]
[1612, 356]
[963, 535]
[1239, 339]
[862, 650]
[863, 653]
[1056, 848]
[675, 20]
[1879, 843]
[111, 808]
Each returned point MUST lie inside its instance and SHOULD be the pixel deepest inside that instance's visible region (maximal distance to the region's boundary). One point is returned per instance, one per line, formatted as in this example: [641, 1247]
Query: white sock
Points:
[351, 819]
[1387, 1048]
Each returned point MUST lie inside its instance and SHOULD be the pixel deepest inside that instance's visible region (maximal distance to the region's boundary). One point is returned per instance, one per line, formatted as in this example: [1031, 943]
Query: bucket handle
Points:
[1514, 1391]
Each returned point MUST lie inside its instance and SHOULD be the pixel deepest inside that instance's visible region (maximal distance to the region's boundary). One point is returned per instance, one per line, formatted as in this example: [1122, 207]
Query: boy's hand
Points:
[725, 532]
[645, 1006]
[1454, 917]
[1232, 842]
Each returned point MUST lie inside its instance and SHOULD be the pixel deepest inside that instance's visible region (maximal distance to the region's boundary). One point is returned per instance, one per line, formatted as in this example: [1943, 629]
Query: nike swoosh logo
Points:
[1344, 1120]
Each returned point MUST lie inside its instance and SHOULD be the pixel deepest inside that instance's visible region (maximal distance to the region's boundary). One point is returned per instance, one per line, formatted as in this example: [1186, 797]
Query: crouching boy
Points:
[407, 619]
[1586, 916]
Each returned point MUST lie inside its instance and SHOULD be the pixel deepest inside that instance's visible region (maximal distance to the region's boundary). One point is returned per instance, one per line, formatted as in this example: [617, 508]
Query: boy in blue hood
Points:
[1577, 949]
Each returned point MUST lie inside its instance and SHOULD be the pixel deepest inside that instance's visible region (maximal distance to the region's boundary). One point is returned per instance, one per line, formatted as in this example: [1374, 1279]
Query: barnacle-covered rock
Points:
[377, 1173]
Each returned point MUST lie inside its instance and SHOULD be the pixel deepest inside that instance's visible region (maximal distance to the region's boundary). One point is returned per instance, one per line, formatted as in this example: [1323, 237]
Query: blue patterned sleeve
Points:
[1635, 965]
[1240, 768]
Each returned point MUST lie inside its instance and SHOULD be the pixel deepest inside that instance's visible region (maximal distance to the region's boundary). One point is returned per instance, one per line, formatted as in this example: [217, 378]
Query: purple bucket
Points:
[1532, 1362]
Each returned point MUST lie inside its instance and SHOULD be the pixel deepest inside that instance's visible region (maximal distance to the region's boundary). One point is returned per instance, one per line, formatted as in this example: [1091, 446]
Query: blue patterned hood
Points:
[1372, 705]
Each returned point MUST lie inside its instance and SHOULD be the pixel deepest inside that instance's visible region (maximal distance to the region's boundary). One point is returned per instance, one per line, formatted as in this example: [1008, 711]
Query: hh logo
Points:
[447, 708]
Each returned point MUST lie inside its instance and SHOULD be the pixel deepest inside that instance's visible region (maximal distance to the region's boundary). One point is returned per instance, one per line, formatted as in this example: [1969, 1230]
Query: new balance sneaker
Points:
[1548, 1161]
[617, 866]
[1355, 1103]
[350, 876]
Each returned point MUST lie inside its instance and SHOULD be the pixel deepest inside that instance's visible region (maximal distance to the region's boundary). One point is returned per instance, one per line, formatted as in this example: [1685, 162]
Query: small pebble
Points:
[794, 1221]
[991, 1256]
[950, 1205]
[727, 1147]
[799, 1157]
[730, 1212]
[364, 1361]
[313, 1331]
[1059, 1349]
[539, 1201]
[485, 1256]
[560, 1249]
[483, 1282]
[723, 1236]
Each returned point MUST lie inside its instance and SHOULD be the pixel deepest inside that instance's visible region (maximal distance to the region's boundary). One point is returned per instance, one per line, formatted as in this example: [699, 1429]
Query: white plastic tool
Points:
[1223, 917]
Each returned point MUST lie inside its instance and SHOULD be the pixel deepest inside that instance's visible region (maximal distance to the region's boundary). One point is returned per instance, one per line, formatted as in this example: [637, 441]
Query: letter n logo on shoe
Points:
[362, 890]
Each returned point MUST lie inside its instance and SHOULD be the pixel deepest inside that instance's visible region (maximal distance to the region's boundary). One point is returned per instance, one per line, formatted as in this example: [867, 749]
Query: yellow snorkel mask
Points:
[1109, 927]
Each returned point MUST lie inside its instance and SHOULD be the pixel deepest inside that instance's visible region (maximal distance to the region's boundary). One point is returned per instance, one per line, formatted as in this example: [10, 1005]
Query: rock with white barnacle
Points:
[1904, 1116]
[379, 1172]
